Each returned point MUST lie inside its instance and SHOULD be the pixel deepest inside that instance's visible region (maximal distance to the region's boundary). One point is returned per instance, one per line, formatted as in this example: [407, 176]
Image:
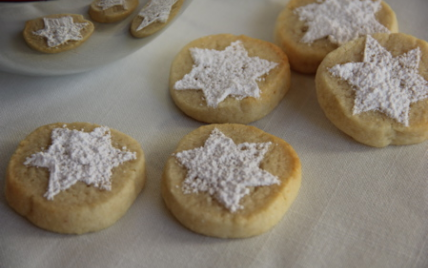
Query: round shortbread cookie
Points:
[366, 109]
[306, 57]
[40, 42]
[257, 211]
[157, 24]
[113, 13]
[271, 85]
[82, 207]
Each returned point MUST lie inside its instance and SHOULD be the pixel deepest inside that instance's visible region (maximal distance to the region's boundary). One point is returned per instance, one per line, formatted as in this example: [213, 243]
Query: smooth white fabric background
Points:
[358, 206]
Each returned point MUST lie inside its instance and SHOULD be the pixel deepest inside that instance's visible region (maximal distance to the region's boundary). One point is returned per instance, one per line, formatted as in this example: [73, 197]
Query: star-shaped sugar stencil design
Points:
[106, 4]
[340, 20]
[384, 83]
[60, 30]
[225, 170]
[79, 156]
[229, 72]
[155, 11]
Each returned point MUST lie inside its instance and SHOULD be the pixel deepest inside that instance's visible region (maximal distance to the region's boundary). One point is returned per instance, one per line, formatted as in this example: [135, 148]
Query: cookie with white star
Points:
[231, 180]
[57, 33]
[107, 11]
[375, 89]
[307, 30]
[154, 16]
[229, 79]
[75, 178]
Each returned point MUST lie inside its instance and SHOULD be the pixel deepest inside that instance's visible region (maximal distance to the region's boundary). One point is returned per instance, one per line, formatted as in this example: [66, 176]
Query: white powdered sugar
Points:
[384, 83]
[79, 156]
[106, 4]
[230, 72]
[225, 170]
[60, 30]
[156, 10]
[340, 20]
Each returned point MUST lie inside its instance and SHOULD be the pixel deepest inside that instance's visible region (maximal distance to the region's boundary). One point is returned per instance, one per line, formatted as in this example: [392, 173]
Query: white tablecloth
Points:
[358, 206]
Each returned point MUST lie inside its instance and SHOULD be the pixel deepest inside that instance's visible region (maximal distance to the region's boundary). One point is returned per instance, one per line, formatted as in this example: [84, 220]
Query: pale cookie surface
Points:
[307, 30]
[78, 199]
[231, 180]
[229, 79]
[57, 33]
[375, 89]
[154, 16]
[107, 11]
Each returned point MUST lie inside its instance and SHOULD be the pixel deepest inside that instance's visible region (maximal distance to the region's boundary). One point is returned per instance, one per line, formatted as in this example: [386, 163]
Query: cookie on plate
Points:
[154, 16]
[229, 79]
[307, 30]
[375, 89]
[107, 11]
[57, 33]
[230, 180]
[75, 178]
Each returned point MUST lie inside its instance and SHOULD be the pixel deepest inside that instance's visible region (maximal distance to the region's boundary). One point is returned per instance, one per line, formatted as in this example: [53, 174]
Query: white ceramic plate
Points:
[108, 43]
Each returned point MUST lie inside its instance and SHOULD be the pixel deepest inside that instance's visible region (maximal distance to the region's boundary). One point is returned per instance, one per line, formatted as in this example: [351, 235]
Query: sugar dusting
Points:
[225, 170]
[60, 30]
[79, 156]
[384, 83]
[230, 72]
[340, 20]
[155, 11]
[106, 4]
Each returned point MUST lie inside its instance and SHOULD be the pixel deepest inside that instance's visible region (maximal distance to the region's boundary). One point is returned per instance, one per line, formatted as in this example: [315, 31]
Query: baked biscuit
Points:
[375, 89]
[154, 16]
[57, 33]
[66, 199]
[230, 180]
[229, 79]
[307, 44]
[106, 11]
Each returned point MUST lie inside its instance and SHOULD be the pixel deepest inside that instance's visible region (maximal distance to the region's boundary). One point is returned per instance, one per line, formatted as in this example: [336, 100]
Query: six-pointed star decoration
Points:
[340, 20]
[60, 30]
[222, 73]
[106, 4]
[156, 10]
[383, 82]
[79, 156]
[224, 169]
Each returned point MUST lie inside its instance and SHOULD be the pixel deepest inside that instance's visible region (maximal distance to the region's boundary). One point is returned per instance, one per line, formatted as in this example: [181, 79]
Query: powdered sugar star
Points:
[79, 156]
[106, 4]
[60, 30]
[224, 169]
[222, 73]
[340, 20]
[156, 10]
[383, 82]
